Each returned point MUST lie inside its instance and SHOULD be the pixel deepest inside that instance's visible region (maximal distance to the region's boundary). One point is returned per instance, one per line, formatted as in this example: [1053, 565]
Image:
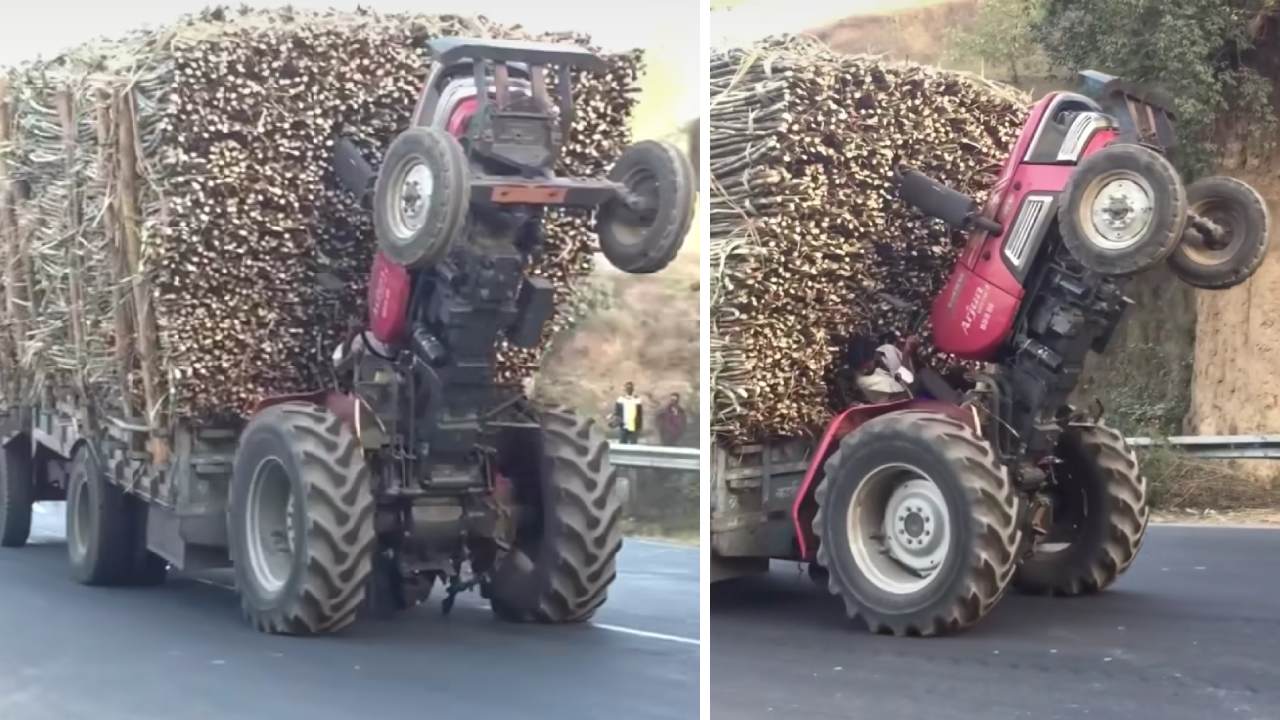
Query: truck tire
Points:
[1243, 214]
[1100, 516]
[1123, 210]
[17, 492]
[149, 569]
[101, 530]
[300, 521]
[562, 562]
[917, 525]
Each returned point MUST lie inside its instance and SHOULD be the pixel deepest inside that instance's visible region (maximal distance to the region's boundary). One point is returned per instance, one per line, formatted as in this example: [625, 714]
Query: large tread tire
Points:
[447, 206]
[17, 493]
[641, 245]
[1109, 537]
[977, 569]
[1250, 224]
[1168, 210]
[330, 498]
[564, 576]
[101, 524]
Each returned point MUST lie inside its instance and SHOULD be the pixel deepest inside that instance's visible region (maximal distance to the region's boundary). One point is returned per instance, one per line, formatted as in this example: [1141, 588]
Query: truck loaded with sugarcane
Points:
[920, 489]
[200, 362]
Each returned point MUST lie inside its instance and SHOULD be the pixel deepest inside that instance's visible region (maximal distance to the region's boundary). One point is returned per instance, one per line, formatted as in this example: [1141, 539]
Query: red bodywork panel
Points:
[805, 507]
[974, 314]
[389, 289]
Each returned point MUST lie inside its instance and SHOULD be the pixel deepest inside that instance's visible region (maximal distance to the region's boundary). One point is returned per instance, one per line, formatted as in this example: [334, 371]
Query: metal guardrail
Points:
[1225, 447]
[653, 456]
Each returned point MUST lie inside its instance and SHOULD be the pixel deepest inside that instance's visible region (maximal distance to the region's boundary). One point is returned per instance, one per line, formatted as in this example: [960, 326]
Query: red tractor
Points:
[920, 513]
[461, 481]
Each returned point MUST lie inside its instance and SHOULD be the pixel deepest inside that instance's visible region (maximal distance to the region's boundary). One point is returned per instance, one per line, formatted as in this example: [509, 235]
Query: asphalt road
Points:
[181, 652]
[1191, 631]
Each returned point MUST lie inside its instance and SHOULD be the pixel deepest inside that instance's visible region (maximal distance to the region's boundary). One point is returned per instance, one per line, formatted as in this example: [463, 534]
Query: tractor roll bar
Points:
[450, 50]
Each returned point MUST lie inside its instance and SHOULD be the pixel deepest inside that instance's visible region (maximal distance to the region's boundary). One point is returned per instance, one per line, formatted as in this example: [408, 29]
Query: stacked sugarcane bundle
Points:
[175, 241]
[807, 235]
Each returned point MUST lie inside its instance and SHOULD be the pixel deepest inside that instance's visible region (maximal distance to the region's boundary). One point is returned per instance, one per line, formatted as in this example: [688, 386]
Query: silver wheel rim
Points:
[269, 526]
[410, 199]
[82, 521]
[899, 528]
[1116, 210]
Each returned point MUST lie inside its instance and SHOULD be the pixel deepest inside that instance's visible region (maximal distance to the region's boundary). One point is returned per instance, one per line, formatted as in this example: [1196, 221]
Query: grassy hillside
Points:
[639, 328]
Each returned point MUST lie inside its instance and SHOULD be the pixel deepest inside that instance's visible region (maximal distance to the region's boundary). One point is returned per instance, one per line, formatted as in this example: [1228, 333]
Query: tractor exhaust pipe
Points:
[354, 172]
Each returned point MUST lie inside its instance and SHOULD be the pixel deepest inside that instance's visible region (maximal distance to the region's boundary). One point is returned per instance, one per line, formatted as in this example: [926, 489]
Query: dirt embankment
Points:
[1236, 386]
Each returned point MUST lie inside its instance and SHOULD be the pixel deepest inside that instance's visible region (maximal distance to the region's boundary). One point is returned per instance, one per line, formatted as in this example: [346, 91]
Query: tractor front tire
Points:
[563, 561]
[421, 198]
[1123, 210]
[17, 493]
[1242, 213]
[917, 525]
[647, 240]
[1100, 516]
[301, 521]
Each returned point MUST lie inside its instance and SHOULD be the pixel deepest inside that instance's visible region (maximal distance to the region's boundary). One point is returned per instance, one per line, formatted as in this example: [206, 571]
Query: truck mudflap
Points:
[805, 507]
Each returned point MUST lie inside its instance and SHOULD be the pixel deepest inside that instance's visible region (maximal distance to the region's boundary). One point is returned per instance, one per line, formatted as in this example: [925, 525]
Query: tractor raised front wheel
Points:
[917, 524]
[1100, 516]
[1227, 237]
[644, 232]
[301, 521]
[568, 534]
[1123, 211]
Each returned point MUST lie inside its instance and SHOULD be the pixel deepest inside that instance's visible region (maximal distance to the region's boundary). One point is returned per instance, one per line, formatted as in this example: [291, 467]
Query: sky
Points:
[667, 29]
[742, 22]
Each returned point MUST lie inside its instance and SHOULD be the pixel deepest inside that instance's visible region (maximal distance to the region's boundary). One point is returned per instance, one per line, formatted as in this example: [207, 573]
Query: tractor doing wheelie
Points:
[417, 467]
[920, 512]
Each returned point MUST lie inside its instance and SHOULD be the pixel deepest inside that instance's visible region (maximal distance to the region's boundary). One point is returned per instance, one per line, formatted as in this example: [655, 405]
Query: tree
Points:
[1195, 49]
[1002, 34]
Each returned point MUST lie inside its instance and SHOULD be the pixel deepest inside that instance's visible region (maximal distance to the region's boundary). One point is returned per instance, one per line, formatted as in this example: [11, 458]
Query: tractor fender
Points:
[340, 404]
[805, 507]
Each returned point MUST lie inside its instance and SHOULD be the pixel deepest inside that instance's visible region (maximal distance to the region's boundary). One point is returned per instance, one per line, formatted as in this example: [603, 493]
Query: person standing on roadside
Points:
[628, 414]
[672, 421]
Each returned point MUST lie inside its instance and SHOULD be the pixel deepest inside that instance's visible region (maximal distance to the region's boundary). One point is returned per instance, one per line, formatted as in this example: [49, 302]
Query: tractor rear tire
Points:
[1102, 518]
[1123, 210]
[17, 493]
[561, 565]
[301, 521]
[101, 529]
[646, 242]
[914, 474]
[1238, 206]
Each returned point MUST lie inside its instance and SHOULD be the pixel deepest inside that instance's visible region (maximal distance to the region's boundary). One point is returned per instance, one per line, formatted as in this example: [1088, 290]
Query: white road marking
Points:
[206, 581]
[667, 544]
[1211, 526]
[602, 626]
[647, 634]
